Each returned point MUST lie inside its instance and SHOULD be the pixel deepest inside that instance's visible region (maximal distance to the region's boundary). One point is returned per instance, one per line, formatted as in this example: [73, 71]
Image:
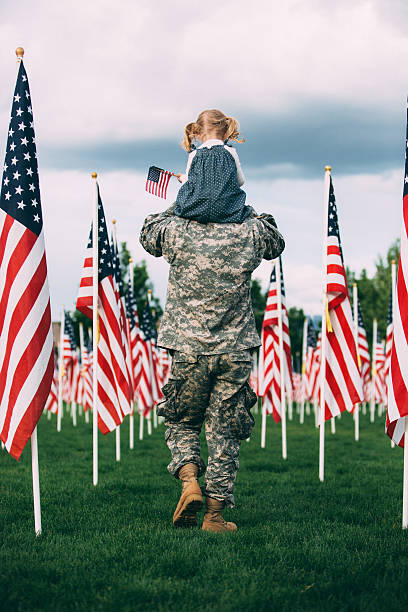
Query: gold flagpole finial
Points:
[94, 175]
[130, 260]
[113, 221]
[20, 53]
[393, 262]
[354, 284]
[328, 168]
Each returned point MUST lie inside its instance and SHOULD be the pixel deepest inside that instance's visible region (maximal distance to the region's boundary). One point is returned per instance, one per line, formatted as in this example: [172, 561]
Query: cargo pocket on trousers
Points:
[169, 408]
[241, 420]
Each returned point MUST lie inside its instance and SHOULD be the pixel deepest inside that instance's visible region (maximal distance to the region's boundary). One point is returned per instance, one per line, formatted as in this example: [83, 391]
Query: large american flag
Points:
[398, 375]
[343, 387]
[270, 347]
[26, 352]
[114, 390]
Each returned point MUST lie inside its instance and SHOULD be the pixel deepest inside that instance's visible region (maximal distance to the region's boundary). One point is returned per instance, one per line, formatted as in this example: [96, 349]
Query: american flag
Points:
[157, 181]
[120, 298]
[52, 401]
[343, 382]
[398, 376]
[149, 391]
[26, 354]
[379, 372]
[135, 337]
[70, 360]
[271, 363]
[363, 354]
[87, 375]
[114, 390]
[388, 341]
[312, 365]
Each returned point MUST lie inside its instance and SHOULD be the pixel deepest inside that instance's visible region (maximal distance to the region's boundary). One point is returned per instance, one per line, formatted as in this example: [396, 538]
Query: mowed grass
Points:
[301, 544]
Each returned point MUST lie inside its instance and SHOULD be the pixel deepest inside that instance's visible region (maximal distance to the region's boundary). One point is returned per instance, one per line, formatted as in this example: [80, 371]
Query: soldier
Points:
[209, 328]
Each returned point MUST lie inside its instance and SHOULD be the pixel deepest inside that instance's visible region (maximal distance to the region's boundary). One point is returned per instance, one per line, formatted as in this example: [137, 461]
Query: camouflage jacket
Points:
[208, 308]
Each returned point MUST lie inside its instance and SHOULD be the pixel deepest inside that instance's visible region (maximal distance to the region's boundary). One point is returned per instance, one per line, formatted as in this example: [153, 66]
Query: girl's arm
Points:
[184, 177]
[241, 177]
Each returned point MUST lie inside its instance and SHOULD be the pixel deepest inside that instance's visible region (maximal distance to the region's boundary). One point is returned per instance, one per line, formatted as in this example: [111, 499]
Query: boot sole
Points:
[187, 515]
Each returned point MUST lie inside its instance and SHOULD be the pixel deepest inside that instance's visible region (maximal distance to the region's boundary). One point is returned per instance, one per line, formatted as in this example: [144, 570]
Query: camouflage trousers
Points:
[214, 389]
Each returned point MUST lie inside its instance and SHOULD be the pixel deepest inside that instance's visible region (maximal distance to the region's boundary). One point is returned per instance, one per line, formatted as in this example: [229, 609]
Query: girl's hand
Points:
[179, 178]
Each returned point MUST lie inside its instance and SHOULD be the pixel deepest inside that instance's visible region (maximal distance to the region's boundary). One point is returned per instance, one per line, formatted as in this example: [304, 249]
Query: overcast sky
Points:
[311, 82]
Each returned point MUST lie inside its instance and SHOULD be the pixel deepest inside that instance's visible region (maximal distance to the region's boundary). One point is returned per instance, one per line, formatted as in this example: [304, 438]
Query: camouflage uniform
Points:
[209, 326]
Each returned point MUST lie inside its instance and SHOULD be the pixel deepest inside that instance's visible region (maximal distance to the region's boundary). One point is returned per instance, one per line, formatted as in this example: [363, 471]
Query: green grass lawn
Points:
[301, 544]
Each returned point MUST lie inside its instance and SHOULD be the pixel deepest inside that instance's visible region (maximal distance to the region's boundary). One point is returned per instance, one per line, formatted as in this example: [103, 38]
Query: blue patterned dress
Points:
[212, 193]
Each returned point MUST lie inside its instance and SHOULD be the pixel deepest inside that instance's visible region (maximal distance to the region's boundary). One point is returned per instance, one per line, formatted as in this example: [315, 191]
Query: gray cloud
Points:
[354, 140]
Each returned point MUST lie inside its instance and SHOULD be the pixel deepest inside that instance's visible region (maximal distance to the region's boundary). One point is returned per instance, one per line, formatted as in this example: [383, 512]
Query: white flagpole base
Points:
[74, 413]
[131, 432]
[36, 483]
[357, 423]
[372, 412]
[321, 451]
[118, 443]
[149, 426]
[141, 417]
[154, 417]
[80, 410]
[392, 444]
[87, 416]
[405, 487]
[333, 425]
[302, 412]
[263, 427]
[49, 415]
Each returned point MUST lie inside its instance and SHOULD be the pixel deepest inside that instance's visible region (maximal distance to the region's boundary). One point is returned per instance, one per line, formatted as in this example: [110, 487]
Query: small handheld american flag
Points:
[157, 181]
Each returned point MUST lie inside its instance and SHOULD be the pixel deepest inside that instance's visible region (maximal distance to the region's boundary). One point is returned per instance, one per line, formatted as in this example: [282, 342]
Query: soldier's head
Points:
[210, 124]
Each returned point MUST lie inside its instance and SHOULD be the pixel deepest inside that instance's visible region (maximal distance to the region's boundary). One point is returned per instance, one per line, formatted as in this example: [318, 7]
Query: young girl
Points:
[211, 190]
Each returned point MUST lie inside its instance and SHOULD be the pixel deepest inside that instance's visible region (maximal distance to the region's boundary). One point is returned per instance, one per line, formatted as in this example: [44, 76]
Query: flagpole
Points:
[60, 369]
[304, 348]
[131, 417]
[117, 430]
[36, 482]
[149, 421]
[355, 316]
[95, 280]
[373, 372]
[281, 357]
[324, 311]
[261, 391]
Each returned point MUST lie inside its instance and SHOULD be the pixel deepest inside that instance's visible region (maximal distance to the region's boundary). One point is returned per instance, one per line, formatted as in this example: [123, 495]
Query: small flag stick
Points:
[355, 316]
[95, 259]
[60, 369]
[304, 348]
[149, 421]
[131, 417]
[281, 357]
[373, 372]
[324, 323]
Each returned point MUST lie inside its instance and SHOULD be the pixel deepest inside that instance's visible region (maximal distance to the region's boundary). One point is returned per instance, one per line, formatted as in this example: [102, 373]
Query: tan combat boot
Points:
[191, 500]
[213, 519]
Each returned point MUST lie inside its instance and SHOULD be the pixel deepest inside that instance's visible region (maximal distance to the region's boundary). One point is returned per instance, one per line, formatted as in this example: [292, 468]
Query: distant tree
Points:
[258, 303]
[296, 318]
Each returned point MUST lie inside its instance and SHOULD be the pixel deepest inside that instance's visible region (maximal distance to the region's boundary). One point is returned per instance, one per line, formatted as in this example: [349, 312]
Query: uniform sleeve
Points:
[241, 177]
[272, 243]
[154, 235]
[184, 177]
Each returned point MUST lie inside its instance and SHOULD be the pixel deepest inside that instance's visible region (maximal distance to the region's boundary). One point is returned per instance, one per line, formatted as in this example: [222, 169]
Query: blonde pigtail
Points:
[189, 132]
[232, 132]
